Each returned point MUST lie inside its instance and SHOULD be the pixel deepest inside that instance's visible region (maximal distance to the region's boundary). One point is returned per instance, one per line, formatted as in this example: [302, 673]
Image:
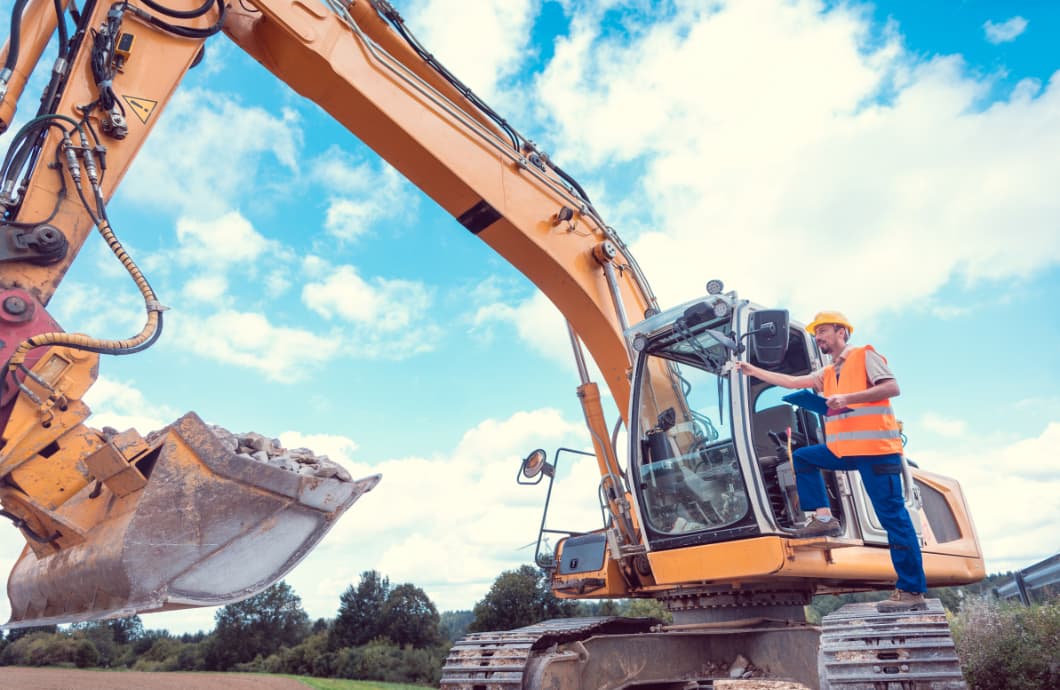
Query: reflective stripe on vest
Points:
[860, 435]
[862, 412]
[867, 428]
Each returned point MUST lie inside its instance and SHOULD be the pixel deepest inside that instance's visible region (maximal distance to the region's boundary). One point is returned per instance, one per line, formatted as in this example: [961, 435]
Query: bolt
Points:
[16, 306]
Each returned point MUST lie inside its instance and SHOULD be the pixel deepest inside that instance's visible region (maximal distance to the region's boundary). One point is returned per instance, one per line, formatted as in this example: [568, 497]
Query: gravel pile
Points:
[254, 446]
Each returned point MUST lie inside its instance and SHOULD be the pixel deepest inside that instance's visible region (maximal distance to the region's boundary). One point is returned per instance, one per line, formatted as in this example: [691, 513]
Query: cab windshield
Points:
[689, 476]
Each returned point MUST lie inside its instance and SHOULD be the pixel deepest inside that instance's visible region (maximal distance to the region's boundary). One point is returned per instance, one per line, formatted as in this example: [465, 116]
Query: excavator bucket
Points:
[209, 526]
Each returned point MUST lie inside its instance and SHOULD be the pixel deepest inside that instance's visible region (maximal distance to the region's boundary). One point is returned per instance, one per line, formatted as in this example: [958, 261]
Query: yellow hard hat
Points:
[824, 317]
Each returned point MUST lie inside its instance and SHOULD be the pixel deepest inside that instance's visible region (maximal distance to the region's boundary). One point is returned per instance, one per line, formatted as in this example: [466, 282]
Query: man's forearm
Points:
[881, 391]
[776, 378]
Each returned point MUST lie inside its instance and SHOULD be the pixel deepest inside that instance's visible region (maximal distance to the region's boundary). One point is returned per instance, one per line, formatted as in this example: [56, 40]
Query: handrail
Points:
[1038, 576]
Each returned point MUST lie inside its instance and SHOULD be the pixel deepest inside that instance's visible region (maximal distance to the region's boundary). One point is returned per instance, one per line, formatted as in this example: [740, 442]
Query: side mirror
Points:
[769, 336]
[535, 467]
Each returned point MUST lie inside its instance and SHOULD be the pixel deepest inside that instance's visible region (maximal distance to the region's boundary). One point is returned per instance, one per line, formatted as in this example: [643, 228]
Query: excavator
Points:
[699, 510]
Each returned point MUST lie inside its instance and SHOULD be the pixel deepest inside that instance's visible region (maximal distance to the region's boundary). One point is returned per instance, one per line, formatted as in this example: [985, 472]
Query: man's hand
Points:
[838, 402]
[745, 368]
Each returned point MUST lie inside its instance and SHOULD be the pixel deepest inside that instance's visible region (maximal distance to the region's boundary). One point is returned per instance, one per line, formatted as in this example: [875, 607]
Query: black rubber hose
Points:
[64, 35]
[571, 181]
[184, 31]
[180, 14]
[21, 524]
[16, 31]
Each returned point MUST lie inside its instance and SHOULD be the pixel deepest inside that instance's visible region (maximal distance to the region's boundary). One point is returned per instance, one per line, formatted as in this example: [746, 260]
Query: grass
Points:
[342, 684]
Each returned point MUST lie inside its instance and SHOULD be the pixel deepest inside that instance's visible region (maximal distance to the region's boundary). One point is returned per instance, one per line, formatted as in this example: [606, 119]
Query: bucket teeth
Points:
[210, 525]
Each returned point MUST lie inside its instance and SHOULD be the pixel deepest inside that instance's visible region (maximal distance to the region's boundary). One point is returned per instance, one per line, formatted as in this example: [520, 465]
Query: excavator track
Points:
[498, 660]
[862, 649]
[617, 653]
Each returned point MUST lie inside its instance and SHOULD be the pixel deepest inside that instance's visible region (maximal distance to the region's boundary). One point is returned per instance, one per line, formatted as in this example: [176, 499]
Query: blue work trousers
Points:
[882, 477]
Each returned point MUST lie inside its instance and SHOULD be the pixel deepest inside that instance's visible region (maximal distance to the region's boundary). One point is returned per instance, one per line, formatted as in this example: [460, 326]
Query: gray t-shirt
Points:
[875, 368]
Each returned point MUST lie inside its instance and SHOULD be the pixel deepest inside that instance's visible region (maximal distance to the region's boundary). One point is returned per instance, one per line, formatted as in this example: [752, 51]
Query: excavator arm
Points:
[118, 523]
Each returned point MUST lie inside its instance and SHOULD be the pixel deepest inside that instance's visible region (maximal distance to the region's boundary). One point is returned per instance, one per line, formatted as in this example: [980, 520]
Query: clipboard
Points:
[808, 400]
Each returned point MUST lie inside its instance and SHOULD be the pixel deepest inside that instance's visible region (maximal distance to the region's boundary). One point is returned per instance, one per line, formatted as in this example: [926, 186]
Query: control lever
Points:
[776, 439]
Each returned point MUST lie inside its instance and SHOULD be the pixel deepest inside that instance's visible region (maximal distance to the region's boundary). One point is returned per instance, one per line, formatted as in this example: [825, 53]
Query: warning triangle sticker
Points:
[142, 107]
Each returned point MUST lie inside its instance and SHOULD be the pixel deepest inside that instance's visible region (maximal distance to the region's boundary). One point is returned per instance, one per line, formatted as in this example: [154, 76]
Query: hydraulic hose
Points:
[24, 526]
[183, 31]
[64, 35]
[14, 40]
[12, 47]
[152, 329]
[147, 336]
[180, 14]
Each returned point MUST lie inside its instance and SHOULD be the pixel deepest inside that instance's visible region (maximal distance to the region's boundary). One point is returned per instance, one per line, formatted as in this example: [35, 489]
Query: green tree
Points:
[518, 598]
[645, 608]
[360, 612]
[101, 635]
[261, 625]
[126, 630]
[453, 624]
[16, 633]
[410, 618]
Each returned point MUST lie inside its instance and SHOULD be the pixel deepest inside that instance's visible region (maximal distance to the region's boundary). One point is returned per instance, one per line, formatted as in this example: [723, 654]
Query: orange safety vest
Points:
[866, 428]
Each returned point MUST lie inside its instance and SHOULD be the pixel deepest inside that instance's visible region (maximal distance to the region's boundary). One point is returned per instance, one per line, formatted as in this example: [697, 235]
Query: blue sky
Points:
[895, 161]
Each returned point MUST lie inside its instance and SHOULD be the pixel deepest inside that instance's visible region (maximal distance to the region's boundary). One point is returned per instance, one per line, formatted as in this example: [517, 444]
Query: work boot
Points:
[902, 601]
[820, 528]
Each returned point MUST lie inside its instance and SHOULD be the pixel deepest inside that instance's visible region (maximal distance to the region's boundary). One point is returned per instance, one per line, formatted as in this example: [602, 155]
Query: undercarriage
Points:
[856, 648]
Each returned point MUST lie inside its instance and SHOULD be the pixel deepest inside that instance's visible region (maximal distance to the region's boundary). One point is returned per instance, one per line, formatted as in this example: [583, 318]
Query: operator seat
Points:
[776, 419]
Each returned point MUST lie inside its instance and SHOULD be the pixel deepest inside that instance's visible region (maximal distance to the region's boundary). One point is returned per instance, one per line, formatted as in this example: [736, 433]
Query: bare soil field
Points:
[13, 678]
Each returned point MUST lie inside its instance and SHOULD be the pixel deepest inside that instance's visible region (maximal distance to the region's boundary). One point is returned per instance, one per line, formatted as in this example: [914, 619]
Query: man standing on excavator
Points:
[861, 433]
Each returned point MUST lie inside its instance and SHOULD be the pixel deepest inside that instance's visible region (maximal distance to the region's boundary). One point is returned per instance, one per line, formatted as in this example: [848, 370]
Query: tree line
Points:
[395, 633]
[380, 632]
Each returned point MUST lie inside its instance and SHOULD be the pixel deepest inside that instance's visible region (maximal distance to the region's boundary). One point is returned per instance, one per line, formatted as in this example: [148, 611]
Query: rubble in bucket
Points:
[254, 446]
[260, 448]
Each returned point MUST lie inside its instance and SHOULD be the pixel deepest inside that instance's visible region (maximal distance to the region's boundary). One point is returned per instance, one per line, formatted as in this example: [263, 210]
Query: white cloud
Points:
[209, 289]
[214, 250]
[537, 321]
[1047, 407]
[360, 194]
[1006, 31]
[276, 284]
[499, 31]
[806, 164]
[952, 428]
[1000, 481]
[388, 305]
[206, 152]
[950, 311]
[542, 329]
[348, 219]
[110, 308]
[225, 240]
[122, 405]
[249, 340]
[452, 522]
[391, 318]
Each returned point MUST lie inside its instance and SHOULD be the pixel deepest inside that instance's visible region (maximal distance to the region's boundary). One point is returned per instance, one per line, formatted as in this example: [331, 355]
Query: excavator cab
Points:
[711, 455]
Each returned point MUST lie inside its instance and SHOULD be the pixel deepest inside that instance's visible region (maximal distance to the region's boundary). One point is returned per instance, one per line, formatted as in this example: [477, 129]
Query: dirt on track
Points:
[14, 678]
